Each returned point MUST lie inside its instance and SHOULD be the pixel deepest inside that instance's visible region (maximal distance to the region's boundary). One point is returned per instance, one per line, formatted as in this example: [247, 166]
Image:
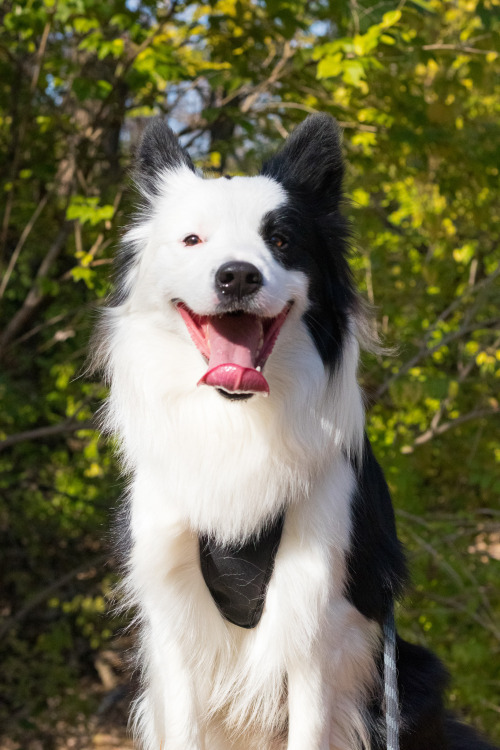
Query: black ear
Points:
[311, 162]
[158, 151]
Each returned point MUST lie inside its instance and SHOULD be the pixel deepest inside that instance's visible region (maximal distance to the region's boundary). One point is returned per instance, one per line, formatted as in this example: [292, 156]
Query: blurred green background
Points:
[416, 87]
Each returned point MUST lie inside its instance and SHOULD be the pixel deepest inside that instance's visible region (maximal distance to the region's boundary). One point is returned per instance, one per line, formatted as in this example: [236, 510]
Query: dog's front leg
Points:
[169, 700]
[308, 706]
[163, 572]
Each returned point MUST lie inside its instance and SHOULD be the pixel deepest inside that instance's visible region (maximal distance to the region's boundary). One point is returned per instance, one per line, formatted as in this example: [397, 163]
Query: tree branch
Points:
[34, 296]
[457, 48]
[49, 431]
[22, 239]
[453, 604]
[471, 289]
[425, 352]
[311, 110]
[273, 78]
[445, 426]
[22, 127]
[464, 370]
[44, 594]
[122, 68]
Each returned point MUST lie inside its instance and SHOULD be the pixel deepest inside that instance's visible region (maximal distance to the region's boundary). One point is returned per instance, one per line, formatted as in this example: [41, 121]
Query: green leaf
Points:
[330, 66]
[353, 72]
[390, 18]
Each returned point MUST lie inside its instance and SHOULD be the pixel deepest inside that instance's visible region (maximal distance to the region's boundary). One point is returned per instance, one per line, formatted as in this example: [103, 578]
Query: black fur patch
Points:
[311, 164]
[159, 150]
[377, 574]
[421, 682]
[462, 737]
[425, 725]
[310, 168]
[376, 564]
[124, 261]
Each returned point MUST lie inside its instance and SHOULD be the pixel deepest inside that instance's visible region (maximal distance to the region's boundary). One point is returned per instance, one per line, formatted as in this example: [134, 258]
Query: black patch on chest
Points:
[238, 576]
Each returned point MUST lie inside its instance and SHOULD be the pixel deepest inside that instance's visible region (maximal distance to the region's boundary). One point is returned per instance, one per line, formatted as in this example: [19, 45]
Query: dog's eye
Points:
[278, 241]
[191, 240]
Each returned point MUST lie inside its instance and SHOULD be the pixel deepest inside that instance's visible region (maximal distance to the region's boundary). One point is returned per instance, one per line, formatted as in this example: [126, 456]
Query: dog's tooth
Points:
[258, 368]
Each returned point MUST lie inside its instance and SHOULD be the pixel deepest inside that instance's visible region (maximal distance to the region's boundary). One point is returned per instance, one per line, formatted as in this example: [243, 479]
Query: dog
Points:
[263, 561]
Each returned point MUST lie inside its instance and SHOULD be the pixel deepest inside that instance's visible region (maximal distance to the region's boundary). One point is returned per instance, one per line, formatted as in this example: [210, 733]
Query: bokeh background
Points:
[416, 87]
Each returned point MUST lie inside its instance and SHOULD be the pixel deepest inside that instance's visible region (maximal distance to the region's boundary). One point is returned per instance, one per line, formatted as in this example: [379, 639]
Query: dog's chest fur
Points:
[241, 675]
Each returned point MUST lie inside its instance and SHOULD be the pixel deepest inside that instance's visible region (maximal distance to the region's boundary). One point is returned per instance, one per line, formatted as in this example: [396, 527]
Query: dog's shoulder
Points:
[377, 571]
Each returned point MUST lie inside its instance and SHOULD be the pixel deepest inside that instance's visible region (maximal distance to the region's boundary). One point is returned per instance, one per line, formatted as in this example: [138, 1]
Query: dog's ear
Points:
[158, 152]
[310, 163]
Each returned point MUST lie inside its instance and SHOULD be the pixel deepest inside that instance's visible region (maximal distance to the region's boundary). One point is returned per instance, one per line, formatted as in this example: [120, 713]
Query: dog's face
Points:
[212, 259]
[233, 261]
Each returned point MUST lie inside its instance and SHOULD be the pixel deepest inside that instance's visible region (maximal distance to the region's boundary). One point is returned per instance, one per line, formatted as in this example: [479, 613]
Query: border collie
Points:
[263, 557]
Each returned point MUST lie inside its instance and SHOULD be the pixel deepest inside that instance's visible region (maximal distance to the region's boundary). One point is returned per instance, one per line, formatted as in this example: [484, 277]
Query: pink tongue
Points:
[234, 342]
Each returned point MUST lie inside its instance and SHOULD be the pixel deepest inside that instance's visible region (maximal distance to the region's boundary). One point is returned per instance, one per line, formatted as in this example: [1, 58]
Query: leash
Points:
[391, 683]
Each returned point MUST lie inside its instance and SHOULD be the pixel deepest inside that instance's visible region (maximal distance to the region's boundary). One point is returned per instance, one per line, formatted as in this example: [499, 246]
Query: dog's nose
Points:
[238, 279]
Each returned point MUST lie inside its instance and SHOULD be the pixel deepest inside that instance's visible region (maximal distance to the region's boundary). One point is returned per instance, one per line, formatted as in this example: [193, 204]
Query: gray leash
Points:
[391, 683]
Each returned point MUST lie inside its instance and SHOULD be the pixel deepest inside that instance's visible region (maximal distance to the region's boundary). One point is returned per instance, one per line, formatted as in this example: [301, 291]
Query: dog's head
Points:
[235, 260]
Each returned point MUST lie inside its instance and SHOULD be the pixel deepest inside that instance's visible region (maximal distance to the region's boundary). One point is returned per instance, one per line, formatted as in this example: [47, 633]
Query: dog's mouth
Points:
[236, 346]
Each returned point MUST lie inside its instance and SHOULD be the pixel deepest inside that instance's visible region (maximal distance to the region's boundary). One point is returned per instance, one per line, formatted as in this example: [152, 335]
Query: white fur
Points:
[200, 463]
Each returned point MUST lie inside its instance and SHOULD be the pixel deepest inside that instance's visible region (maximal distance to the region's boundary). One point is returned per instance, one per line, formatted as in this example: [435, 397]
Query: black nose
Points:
[238, 279]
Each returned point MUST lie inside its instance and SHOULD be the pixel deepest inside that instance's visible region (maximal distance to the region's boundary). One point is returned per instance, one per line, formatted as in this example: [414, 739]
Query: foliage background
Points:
[416, 86]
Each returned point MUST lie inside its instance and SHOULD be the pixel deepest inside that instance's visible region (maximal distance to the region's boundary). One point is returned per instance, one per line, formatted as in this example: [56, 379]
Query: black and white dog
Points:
[264, 559]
